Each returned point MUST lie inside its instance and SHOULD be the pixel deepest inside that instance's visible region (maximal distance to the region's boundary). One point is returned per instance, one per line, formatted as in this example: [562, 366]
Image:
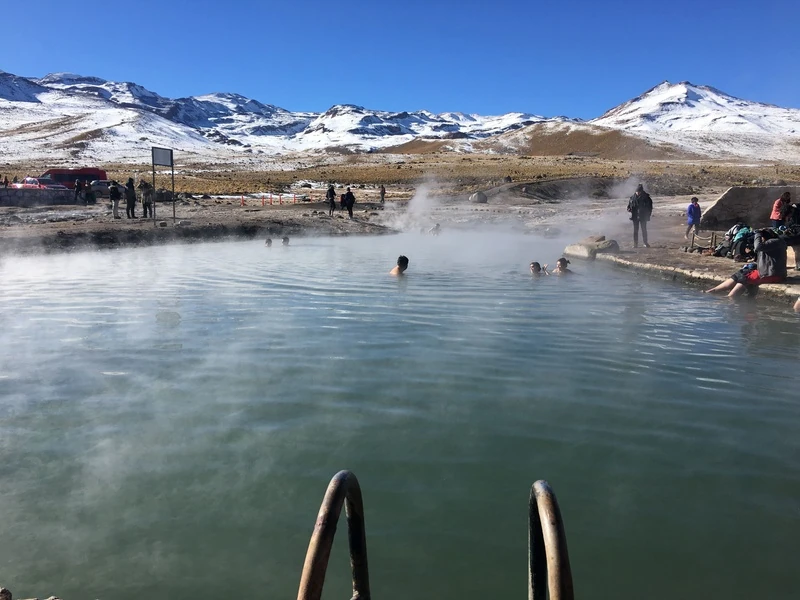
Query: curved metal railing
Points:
[548, 559]
[343, 489]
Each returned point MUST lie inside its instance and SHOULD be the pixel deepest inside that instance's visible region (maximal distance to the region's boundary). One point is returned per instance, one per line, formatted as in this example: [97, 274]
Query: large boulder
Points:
[749, 204]
[591, 247]
[478, 198]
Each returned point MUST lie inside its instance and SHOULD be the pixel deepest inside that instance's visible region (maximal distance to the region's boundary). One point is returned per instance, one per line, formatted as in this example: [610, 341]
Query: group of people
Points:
[561, 268]
[6, 182]
[115, 195]
[285, 242]
[769, 245]
[347, 200]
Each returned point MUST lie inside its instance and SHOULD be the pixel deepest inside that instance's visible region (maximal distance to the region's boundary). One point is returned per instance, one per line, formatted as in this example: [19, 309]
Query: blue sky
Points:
[576, 58]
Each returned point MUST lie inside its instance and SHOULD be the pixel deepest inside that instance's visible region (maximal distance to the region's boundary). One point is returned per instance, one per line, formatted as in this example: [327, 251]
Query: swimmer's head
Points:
[286, 241]
[268, 242]
[562, 263]
[402, 262]
[536, 267]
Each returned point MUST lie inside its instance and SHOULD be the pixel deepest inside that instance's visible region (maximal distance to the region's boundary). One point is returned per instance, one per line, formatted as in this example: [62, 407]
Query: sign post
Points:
[163, 157]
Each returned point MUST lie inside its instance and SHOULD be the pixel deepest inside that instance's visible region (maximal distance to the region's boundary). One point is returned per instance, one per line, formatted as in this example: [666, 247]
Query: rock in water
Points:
[478, 198]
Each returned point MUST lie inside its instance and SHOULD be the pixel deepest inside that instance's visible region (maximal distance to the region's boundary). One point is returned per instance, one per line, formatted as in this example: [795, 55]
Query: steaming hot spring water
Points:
[170, 418]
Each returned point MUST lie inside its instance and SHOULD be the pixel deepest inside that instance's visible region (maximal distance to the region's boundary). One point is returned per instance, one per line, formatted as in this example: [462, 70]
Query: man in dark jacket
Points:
[349, 200]
[78, 190]
[114, 196]
[330, 196]
[130, 199]
[641, 207]
[770, 267]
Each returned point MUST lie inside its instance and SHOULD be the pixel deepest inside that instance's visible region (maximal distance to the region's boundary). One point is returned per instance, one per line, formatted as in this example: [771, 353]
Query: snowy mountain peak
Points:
[69, 79]
[19, 89]
[688, 107]
[237, 103]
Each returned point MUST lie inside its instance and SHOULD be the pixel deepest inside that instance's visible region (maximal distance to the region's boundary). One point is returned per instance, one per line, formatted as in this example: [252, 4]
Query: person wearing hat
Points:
[693, 214]
[640, 206]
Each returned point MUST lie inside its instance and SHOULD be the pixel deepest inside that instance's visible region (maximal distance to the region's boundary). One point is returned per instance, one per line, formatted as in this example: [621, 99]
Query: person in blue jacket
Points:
[693, 214]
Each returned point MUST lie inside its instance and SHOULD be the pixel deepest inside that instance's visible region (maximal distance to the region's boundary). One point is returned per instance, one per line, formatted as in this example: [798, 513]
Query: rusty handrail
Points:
[548, 558]
[343, 489]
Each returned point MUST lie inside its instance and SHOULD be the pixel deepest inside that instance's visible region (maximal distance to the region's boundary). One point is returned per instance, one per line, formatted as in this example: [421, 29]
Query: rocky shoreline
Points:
[57, 229]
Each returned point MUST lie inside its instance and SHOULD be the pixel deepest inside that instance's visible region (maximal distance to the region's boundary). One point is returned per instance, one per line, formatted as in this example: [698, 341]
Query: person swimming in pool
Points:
[561, 267]
[537, 269]
[402, 265]
[286, 241]
[268, 243]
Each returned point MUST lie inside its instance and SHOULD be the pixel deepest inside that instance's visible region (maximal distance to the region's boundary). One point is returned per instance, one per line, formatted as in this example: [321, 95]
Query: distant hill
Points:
[64, 116]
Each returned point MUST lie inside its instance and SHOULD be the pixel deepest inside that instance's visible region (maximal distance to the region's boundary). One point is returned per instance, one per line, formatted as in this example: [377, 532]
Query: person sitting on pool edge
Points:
[770, 267]
[402, 265]
[537, 269]
[561, 267]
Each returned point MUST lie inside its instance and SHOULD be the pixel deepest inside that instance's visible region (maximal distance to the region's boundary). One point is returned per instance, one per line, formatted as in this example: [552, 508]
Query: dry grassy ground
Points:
[454, 173]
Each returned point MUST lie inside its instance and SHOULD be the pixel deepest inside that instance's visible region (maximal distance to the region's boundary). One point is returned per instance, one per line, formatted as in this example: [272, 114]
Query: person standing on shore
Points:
[78, 189]
[693, 214]
[383, 193]
[640, 206]
[780, 209]
[349, 200]
[5, 181]
[130, 199]
[330, 196]
[114, 196]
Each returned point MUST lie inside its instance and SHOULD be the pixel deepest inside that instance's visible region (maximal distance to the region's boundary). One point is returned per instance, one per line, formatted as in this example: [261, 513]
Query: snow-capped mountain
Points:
[18, 89]
[706, 121]
[687, 107]
[65, 115]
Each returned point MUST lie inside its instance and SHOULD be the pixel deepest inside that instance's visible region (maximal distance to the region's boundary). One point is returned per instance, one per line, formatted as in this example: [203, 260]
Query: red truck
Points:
[67, 177]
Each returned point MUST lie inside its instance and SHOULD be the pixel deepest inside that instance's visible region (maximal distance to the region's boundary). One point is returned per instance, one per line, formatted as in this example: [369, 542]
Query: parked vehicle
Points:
[27, 183]
[47, 183]
[100, 187]
[67, 177]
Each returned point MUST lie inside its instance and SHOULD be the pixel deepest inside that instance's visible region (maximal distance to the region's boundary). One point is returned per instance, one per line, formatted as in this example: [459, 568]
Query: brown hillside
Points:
[417, 146]
[545, 140]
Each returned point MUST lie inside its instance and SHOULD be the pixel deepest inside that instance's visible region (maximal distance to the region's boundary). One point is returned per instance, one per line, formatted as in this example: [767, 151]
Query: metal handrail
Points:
[548, 558]
[343, 489]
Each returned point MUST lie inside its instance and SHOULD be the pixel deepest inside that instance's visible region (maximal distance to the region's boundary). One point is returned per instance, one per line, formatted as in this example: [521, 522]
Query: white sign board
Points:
[162, 156]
